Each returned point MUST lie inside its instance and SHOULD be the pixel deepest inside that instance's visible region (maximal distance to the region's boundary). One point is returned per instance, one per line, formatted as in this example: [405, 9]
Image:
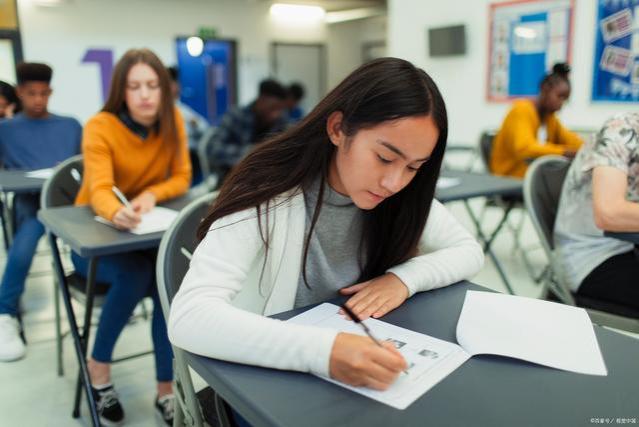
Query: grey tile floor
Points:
[31, 393]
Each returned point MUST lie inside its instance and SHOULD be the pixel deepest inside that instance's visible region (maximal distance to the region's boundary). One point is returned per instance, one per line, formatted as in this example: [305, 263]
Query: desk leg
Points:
[487, 242]
[73, 326]
[4, 217]
[93, 262]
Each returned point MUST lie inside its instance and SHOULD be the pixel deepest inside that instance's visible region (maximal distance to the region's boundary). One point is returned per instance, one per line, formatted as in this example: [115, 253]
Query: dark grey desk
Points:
[88, 238]
[474, 185]
[485, 391]
[77, 227]
[629, 237]
[16, 182]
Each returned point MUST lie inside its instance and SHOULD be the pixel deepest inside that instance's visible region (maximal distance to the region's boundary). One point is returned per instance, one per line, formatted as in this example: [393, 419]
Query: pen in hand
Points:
[121, 197]
[357, 320]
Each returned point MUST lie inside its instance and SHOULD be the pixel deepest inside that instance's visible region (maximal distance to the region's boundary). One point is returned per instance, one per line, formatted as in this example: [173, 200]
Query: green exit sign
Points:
[207, 32]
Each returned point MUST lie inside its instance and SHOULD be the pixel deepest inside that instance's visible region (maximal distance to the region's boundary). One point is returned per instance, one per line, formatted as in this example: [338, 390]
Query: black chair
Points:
[513, 202]
[60, 190]
[542, 190]
[174, 255]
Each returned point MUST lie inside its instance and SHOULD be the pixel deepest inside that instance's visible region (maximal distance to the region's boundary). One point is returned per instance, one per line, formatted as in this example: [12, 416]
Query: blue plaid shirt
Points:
[234, 137]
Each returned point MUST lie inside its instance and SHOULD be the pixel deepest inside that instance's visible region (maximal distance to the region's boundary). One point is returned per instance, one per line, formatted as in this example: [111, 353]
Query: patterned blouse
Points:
[580, 246]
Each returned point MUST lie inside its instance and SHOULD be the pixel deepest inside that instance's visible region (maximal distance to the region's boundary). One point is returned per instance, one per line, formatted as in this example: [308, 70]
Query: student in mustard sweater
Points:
[531, 129]
[138, 144]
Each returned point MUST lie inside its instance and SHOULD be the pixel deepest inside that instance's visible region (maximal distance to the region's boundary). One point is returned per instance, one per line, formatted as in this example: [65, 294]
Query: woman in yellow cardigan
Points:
[531, 129]
[138, 144]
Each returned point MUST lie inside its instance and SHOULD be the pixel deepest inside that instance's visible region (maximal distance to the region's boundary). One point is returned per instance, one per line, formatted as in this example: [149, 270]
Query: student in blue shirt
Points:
[33, 139]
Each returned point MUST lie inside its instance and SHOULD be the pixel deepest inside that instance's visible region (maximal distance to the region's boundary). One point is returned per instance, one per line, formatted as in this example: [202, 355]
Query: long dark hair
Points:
[382, 90]
[117, 101]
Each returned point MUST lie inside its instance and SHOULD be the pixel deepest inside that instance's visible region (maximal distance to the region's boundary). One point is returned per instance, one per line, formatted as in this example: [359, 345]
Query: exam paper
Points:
[158, 219]
[447, 182]
[543, 332]
[39, 173]
[429, 359]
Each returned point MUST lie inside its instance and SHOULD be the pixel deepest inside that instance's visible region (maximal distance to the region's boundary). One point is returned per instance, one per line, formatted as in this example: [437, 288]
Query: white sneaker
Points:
[11, 345]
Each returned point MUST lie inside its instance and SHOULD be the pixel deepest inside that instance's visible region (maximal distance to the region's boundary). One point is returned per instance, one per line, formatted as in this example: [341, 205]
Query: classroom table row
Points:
[76, 227]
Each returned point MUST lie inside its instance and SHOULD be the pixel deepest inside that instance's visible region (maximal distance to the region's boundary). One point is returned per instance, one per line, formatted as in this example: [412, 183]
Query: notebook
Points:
[158, 219]
[541, 332]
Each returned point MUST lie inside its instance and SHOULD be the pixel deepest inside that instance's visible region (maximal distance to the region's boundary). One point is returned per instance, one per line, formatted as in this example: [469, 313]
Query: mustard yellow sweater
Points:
[114, 155]
[516, 142]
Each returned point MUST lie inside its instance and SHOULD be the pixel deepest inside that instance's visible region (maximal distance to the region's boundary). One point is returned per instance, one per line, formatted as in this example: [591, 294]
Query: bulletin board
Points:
[526, 39]
[616, 62]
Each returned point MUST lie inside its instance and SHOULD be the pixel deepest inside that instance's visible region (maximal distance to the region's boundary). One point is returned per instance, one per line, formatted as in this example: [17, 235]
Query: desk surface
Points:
[478, 185]
[77, 227]
[16, 182]
[629, 237]
[485, 391]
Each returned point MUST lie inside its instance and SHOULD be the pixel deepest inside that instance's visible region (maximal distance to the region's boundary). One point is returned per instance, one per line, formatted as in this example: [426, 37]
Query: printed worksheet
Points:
[429, 359]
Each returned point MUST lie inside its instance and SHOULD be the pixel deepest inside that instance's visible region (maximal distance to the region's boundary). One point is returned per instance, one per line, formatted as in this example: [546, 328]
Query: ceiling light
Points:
[194, 46]
[297, 12]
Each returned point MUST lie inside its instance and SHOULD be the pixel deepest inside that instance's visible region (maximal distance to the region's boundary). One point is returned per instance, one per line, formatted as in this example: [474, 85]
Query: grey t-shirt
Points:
[580, 246]
[333, 260]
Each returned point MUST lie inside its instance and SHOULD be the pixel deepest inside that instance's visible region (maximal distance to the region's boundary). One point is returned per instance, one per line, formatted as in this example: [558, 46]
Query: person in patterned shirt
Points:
[601, 192]
[242, 127]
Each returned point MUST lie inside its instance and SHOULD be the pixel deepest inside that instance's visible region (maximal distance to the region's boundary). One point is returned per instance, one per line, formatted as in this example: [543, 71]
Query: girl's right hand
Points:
[358, 361]
[126, 219]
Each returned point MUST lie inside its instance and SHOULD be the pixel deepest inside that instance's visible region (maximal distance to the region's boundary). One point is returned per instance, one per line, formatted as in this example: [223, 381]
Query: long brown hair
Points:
[116, 101]
[381, 90]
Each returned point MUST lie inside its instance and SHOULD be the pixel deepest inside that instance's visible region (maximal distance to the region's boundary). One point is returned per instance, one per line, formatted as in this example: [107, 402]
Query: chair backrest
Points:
[204, 153]
[176, 248]
[63, 185]
[486, 147]
[542, 189]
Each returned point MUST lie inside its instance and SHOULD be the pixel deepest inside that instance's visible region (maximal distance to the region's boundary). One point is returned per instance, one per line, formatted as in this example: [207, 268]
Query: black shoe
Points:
[165, 408]
[109, 408]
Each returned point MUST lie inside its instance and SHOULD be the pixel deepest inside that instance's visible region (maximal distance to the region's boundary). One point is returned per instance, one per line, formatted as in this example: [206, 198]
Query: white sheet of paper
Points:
[543, 332]
[429, 359]
[446, 182]
[39, 173]
[159, 219]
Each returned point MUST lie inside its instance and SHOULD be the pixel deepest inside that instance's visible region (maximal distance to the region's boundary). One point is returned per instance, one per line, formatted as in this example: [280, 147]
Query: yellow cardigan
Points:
[516, 143]
[114, 155]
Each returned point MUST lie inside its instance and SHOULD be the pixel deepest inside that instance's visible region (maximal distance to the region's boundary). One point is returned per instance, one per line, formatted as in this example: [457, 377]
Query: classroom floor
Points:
[33, 395]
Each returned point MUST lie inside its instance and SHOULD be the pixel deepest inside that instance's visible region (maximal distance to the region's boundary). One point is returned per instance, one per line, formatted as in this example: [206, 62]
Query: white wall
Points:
[60, 36]
[345, 45]
[462, 80]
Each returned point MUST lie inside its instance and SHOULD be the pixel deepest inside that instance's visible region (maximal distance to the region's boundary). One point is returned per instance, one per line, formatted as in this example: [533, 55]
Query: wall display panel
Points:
[616, 61]
[526, 39]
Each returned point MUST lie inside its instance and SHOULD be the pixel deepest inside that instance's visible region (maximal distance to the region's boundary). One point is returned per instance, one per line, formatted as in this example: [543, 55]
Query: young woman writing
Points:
[137, 143]
[342, 203]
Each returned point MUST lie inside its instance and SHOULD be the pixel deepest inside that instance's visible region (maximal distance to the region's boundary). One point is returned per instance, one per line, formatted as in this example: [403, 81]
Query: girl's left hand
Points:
[144, 202]
[376, 297]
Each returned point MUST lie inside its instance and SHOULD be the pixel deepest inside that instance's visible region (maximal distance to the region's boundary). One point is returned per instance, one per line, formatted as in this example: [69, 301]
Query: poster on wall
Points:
[616, 62]
[526, 39]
